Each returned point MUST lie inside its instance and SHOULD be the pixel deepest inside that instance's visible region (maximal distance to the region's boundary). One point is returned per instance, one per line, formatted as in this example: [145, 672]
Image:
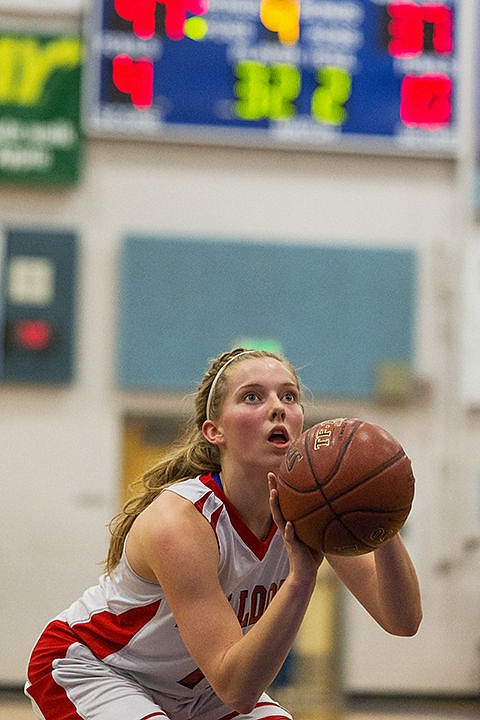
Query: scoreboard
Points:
[353, 75]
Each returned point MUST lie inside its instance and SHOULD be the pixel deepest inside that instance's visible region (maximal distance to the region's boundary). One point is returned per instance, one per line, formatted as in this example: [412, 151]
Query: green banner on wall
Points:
[40, 137]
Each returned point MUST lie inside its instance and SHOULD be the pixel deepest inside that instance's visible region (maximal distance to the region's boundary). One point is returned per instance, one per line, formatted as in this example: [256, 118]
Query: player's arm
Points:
[385, 583]
[181, 549]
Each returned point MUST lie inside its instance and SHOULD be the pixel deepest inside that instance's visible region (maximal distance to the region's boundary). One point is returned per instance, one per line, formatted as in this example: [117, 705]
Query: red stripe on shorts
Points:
[104, 633]
[50, 697]
[258, 705]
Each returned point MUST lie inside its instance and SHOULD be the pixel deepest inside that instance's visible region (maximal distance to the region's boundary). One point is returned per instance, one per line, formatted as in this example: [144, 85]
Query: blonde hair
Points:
[190, 455]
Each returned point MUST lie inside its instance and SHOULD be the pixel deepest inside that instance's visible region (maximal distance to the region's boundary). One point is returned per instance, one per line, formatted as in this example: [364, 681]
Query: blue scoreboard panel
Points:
[353, 75]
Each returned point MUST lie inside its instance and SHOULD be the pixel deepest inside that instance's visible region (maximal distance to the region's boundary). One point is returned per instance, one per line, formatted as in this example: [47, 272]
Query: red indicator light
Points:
[33, 334]
[415, 28]
[135, 78]
[141, 13]
[426, 101]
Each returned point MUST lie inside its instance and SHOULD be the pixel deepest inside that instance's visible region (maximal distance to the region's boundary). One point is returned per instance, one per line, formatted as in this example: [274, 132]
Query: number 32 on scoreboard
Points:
[269, 92]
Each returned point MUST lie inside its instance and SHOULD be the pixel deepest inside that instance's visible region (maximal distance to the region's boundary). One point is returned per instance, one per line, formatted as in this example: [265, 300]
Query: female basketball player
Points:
[204, 593]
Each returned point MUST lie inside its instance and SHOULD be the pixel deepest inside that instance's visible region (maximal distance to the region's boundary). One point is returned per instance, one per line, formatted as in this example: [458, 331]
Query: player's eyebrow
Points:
[260, 386]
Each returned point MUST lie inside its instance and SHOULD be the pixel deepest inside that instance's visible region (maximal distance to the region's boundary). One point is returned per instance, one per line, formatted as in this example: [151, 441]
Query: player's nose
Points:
[277, 411]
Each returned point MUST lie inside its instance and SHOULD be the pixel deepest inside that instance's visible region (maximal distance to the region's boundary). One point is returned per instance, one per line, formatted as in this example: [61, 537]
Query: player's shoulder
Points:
[167, 509]
[172, 519]
[170, 529]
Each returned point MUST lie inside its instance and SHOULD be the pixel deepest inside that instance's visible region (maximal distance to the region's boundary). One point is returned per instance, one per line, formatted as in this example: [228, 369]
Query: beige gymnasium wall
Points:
[61, 447]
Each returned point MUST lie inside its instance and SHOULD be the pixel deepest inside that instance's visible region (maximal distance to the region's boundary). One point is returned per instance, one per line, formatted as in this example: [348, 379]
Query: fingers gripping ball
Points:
[347, 486]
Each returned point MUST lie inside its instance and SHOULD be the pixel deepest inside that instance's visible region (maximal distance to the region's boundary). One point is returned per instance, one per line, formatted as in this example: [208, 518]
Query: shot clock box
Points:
[37, 305]
[361, 75]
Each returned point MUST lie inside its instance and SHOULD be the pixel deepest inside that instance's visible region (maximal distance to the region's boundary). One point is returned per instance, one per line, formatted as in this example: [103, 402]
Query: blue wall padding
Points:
[337, 312]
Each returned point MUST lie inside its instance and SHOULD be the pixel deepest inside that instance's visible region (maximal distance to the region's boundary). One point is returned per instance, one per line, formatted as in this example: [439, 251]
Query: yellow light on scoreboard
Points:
[282, 17]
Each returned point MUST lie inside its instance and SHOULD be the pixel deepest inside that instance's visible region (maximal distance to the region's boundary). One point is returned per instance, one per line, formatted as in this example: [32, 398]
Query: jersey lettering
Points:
[189, 681]
[252, 604]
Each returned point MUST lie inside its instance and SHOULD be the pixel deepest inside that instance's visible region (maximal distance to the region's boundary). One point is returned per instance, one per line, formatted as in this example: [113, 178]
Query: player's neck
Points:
[249, 495]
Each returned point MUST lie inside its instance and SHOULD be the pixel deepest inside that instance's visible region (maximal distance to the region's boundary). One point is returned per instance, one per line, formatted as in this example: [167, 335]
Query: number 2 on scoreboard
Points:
[335, 87]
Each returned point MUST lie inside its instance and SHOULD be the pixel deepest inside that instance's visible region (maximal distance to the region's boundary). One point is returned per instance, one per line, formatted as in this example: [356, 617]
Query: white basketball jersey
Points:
[126, 622]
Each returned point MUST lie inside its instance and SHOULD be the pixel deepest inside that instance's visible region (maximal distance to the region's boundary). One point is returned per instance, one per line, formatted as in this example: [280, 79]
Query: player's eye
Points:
[290, 397]
[251, 397]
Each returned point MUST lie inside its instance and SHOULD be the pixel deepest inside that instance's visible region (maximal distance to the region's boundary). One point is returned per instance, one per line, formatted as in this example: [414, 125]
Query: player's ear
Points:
[212, 433]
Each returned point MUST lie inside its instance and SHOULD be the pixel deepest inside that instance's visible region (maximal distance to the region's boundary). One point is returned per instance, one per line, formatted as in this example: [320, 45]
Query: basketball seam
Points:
[399, 456]
[337, 464]
[332, 473]
[329, 477]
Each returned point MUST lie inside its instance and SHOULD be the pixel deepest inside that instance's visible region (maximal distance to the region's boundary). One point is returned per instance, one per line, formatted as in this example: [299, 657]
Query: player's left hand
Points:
[297, 551]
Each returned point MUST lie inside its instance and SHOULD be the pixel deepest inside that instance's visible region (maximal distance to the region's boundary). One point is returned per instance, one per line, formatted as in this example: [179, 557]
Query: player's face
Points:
[261, 412]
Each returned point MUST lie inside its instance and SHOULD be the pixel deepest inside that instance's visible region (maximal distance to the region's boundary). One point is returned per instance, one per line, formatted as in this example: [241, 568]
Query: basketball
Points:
[347, 485]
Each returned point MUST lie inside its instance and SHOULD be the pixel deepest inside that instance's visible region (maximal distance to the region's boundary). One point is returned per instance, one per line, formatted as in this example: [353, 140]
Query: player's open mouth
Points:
[278, 437]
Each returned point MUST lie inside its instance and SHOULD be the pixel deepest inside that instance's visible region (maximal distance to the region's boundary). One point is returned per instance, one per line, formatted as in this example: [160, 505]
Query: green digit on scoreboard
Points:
[266, 91]
[286, 84]
[335, 87]
[252, 90]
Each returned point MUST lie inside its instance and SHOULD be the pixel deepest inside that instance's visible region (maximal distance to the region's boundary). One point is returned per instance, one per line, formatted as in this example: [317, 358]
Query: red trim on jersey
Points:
[214, 518]
[200, 504]
[106, 633]
[257, 546]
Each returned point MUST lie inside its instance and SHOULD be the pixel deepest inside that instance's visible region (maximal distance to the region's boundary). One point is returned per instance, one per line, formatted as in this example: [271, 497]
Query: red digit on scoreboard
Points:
[426, 100]
[141, 13]
[411, 24]
[176, 14]
[441, 19]
[135, 78]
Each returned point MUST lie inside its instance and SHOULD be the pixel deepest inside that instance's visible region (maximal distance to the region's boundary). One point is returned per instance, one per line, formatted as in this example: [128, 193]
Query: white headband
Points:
[219, 373]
